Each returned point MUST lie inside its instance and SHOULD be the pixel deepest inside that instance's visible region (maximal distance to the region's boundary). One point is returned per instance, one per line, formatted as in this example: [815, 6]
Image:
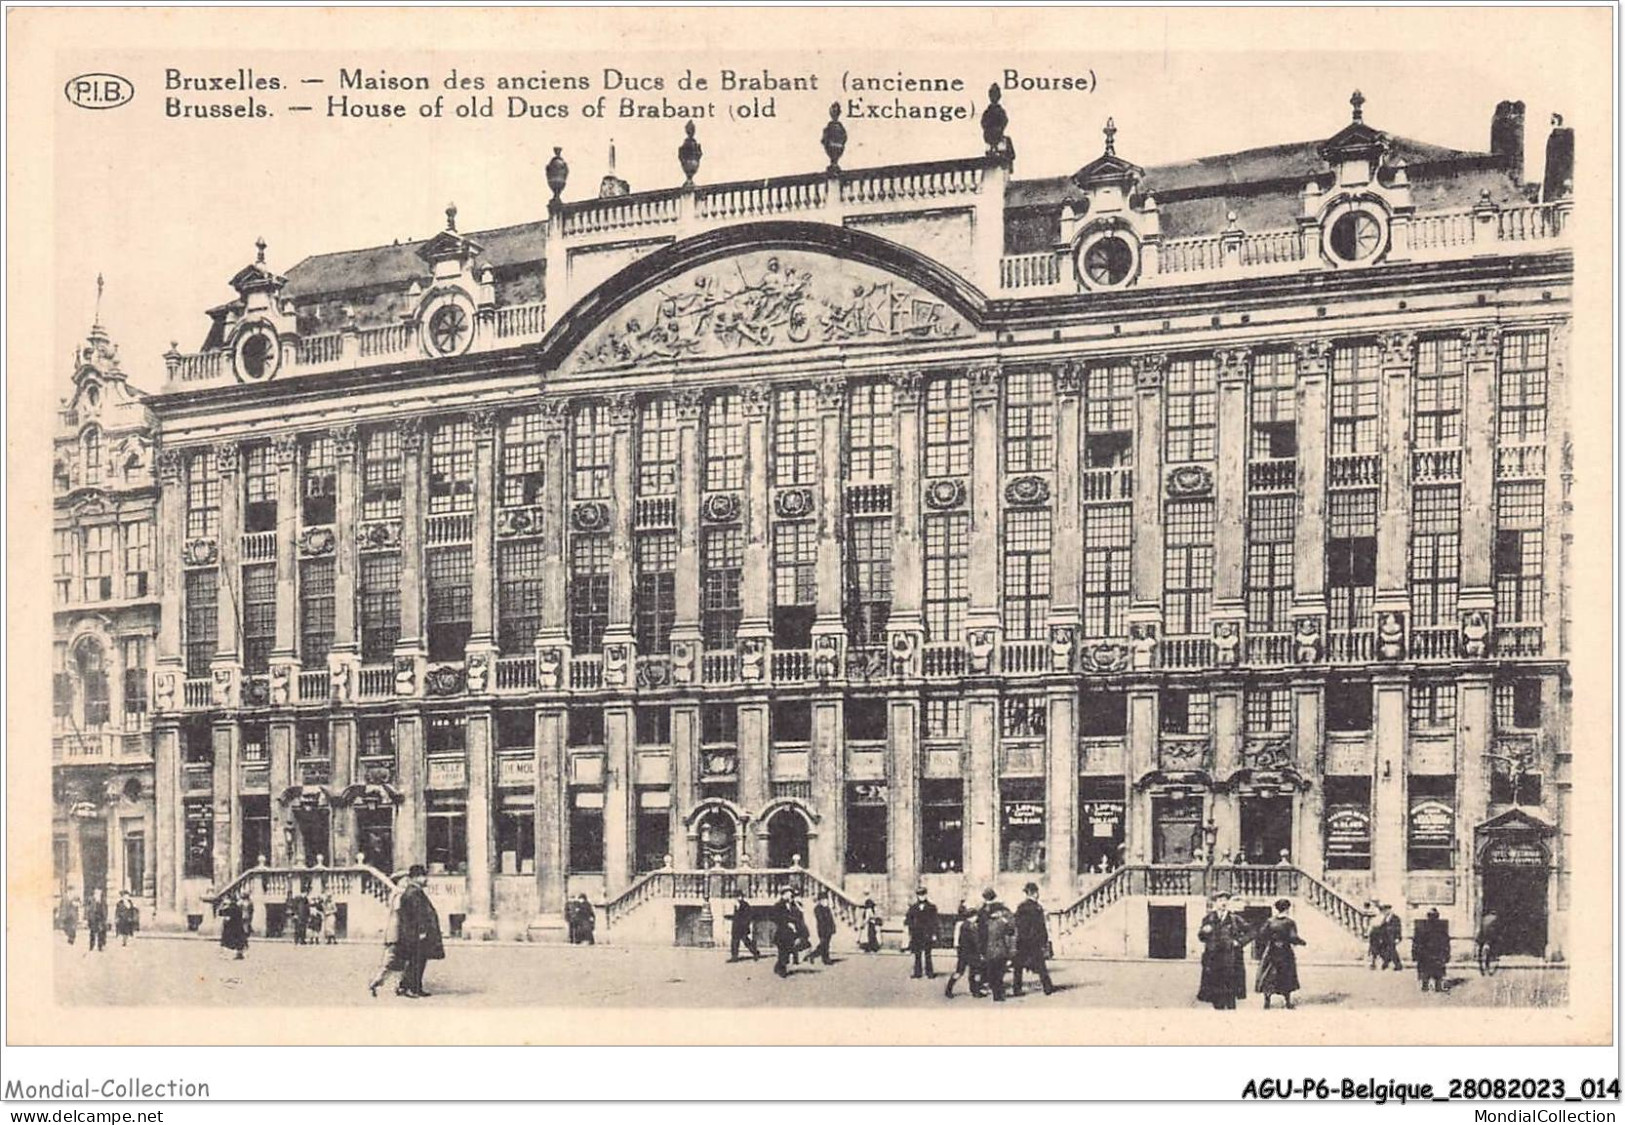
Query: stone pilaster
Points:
[1481, 349]
[1474, 739]
[1394, 509]
[554, 632]
[618, 796]
[411, 642]
[1309, 543]
[1061, 795]
[346, 551]
[981, 788]
[908, 561]
[550, 814]
[167, 815]
[1066, 555]
[1230, 481]
[481, 847]
[227, 459]
[411, 817]
[621, 410]
[1142, 759]
[482, 624]
[281, 769]
[902, 818]
[831, 410]
[169, 534]
[685, 756]
[686, 623]
[1146, 581]
[1309, 740]
[986, 558]
[285, 649]
[755, 788]
[227, 813]
[342, 746]
[1388, 811]
[755, 594]
[827, 768]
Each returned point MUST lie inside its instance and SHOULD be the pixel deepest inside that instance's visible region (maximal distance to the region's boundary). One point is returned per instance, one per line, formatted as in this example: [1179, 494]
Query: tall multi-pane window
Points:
[259, 616]
[947, 575]
[592, 453]
[135, 653]
[202, 620]
[99, 562]
[137, 558]
[795, 584]
[1436, 413]
[589, 592]
[869, 579]
[724, 443]
[1027, 534]
[1520, 547]
[1187, 574]
[1521, 392]
[1108, 416]
[378, 597]
[1433, 705]
[318, 488]
[524, 459]
[1435, 555]
[1351, 558]
[795, 437]
[316, 606]
[722, 562]
[519, 595]
[657, 448]
[451, 468]
[944, 718]
[202, 495]
[1029, 422]
[655, 591]
[1356, 394]
[1274, 409]
[871, 443]
[1271, 522]
[947, 426]
[1268, 710]
[381, 472]
[1192, 402]
[93, 461]
[1108, 536]
[450, 586]
[65, 560]
[259, 488]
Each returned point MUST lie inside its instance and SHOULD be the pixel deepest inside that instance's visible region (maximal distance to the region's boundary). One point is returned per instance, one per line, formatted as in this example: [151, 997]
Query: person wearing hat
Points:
[126, 918]
[967, 953]
[789, 929]
[419, 939]
[996, 935]
[871, 926]
[1224, 971]
[921, 924]
[1430, 946]
[824, 923]
[739, 932]
[1278, 963]
[1032, 940]
[1384, 939]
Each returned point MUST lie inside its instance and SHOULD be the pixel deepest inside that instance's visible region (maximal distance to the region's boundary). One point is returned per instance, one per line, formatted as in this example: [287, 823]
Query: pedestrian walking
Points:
[739, 930]
[1430, 948]
[392, 962]
[1384, 941]
[789, 930]
[1032, 941]
[586, 920]
[921, 924]
[126, 918]
[996, 933]
[96, 920]
[1224, 971]
[299, 912]
[68, 918]
[967, 952]
[824, 924]
[870, 922]
[232, 934]
[418, 937]
[1278, 964]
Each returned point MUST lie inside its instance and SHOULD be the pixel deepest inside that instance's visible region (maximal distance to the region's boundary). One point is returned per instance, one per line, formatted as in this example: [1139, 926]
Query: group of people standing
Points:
[991, 941]
[1225, 937]
[311, 919]
[126, 918]
[579, 920]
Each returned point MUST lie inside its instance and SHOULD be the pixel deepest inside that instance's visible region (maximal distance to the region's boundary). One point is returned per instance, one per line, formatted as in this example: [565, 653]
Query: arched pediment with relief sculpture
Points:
[765, 288]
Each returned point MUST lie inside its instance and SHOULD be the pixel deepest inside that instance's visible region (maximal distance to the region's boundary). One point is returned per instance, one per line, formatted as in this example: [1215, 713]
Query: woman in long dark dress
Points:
[1278, 963]
[1224, 972]
[233, 934]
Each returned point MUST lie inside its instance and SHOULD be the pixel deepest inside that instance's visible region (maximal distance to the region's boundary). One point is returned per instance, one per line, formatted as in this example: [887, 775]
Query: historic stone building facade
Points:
[1140, 532]
[105, 591]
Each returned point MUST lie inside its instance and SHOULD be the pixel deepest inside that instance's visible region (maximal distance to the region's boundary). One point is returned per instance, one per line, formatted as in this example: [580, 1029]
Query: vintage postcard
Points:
[534, 526]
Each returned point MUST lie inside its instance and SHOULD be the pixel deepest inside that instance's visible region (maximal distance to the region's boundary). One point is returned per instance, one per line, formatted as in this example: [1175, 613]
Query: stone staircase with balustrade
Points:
[362, 889]
[644, 914]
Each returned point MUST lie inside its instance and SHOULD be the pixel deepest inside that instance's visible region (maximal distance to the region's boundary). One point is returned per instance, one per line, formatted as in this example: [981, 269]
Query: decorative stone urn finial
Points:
[1357, 100]
[689, 154]
[834, 137]
[558, 173]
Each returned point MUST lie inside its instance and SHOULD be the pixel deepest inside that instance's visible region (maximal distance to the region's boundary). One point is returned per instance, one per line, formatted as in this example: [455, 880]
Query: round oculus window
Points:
[1356, 236]
[256, 355]
[1108, 258]
[449, 329]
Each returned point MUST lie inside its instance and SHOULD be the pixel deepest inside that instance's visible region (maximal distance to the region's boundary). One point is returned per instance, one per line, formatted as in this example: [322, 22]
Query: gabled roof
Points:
[401, 263]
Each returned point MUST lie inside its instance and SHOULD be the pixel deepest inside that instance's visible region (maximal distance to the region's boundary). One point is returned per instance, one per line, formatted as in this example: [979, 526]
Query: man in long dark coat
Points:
[1430, 947]
[824, 924]
[419, 940]
[739, 930]
[789, 930]
[1278, 961]
[1224, 970]
[1385, 935]
[996, 937]
[96, 920]
[1032, 940]
[921, 923]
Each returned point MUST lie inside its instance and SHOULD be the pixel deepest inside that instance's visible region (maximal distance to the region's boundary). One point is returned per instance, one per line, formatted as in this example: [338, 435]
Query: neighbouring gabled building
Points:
[1143, 533]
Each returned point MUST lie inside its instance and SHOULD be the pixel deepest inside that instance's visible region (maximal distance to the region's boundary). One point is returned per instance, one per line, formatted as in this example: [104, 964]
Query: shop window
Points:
[1517, 704]
[1185, 712]
[448, 835]
[1347, 823]
[865, 720]
[586, 831]
[791, 721]
[198, 740]
[1431, 825]
[1021, 825]
[1104, 714]
[1102, 812]
[653, 726]
[1348, 705]
[256, 742]
[653, 829]
[865, 828]
[199, 817]
[585, 727]
[445, 734]
[942, 825]
[719, 724]
[516, 835]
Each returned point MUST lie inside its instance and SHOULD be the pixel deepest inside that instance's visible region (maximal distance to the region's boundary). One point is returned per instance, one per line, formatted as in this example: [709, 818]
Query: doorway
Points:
[93, 856]
[135, 863]
[1517, 898]
[1176, 829]
[256, 847]
[1266, 828]
[315, 835]
[375, 829]
[1167, 933]
[786, 839]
